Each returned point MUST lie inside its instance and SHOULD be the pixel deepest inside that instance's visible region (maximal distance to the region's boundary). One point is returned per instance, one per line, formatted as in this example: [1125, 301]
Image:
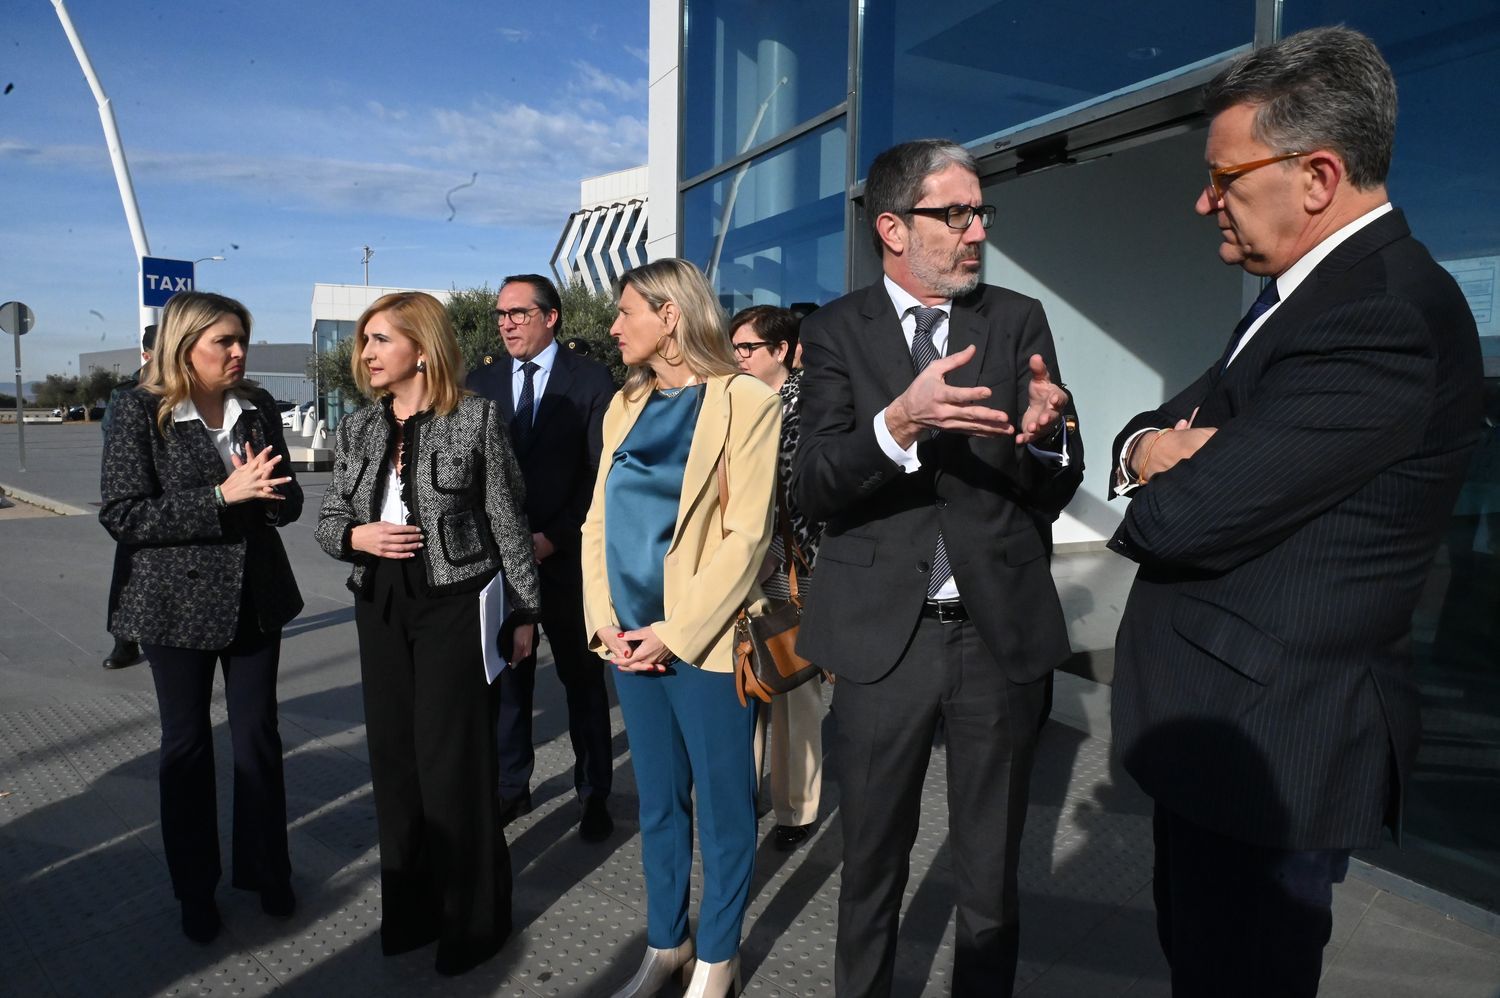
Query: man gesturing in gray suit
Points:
[937, 447]
[1284, 509]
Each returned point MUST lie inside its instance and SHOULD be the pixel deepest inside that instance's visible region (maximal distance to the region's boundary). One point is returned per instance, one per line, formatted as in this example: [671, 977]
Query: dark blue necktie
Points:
[923, 352]
[1268, 296]
[520, 423]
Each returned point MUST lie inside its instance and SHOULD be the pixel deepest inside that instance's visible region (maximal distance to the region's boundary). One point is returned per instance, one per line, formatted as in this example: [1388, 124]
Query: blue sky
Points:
[285, 136]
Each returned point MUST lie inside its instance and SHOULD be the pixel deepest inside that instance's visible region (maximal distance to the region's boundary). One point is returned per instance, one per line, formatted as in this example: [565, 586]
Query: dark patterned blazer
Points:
[1263, 683]
[183, 559]
[461, 485]
[993, 501]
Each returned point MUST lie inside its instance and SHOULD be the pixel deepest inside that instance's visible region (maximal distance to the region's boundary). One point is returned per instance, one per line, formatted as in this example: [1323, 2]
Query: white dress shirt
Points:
[544, 362]
[222, 436]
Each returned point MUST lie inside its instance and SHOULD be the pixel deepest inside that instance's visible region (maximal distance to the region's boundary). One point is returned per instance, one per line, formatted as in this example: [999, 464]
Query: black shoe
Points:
[278, 902]
[453, 960]
[124, 653]
[200, 920]
[512, 808]
[788, 837]
[596, 825]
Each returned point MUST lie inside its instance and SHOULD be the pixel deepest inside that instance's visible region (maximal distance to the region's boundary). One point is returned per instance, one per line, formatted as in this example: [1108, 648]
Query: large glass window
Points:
[771, 232]
[1443, 178]
[753, 69]
[977, 69]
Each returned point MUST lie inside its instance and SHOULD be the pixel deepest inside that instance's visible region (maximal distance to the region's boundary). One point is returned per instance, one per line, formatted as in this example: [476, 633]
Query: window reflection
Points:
[772, 232]
[969, 70]
[752, 70]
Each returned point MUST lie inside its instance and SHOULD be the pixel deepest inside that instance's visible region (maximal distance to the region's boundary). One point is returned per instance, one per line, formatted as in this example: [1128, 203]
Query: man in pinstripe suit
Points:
[1284, 510]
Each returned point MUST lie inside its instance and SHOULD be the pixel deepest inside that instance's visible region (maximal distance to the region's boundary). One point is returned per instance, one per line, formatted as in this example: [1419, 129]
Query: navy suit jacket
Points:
[560, 456]
[1263, 682]
[993, 501]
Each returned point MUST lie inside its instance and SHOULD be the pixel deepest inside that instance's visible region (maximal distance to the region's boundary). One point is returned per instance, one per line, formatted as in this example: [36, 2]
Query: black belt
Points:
[945, 611]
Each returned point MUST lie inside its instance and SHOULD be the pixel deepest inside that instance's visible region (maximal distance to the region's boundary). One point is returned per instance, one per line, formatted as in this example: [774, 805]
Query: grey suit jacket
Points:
[184, 560]
[1263, 683]
[993, 501]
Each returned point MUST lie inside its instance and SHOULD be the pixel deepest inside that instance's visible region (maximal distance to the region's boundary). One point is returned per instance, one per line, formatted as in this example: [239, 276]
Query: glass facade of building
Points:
[974, 71]
[780, 226]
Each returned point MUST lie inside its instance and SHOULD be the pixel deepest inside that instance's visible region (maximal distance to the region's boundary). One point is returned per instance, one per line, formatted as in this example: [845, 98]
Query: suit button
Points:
[192, 573]
[941, 503]
[922, 566]
[457, 460]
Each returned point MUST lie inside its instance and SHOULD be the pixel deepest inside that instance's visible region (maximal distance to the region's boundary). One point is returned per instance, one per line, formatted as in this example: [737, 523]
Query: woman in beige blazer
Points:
[667, 563]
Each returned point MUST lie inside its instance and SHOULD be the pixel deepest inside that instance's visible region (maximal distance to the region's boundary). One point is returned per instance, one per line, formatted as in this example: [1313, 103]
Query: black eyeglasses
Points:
[959, 216]
[520, 316]
[747, 348]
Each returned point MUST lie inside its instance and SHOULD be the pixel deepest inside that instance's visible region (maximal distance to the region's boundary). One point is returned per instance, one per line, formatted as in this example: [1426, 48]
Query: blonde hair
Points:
[701, 340]
[168, 374]
[422, 319]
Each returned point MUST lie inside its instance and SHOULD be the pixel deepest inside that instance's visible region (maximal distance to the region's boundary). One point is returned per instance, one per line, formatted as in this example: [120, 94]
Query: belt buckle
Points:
[947, 611]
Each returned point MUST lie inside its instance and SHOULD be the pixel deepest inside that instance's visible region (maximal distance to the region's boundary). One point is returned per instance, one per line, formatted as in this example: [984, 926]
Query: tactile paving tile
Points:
[586, 943]
[579, 907]
[152, 957]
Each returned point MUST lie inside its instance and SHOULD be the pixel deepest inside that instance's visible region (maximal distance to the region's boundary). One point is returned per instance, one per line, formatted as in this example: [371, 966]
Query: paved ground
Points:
[85, 907]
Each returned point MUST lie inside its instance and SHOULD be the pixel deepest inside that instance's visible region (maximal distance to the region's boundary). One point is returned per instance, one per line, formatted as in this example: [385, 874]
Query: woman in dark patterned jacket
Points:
[426, 502]
[765, 341]
[196, 479]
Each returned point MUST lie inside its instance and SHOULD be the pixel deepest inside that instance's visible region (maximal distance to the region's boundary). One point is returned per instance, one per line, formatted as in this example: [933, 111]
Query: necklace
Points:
[671, 393]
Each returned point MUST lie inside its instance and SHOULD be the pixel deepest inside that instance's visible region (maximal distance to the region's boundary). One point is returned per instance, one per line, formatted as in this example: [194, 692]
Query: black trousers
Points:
[582, 675]
[429, 717]
[1238, 920]
[883, 740]
[184, 679]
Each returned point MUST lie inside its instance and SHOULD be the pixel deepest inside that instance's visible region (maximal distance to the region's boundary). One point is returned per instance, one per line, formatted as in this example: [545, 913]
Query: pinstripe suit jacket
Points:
[1263, 681]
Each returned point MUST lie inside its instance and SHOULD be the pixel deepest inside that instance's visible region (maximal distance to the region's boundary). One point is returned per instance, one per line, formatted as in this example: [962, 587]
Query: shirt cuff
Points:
[1058, 457]
[906, 458]
[1125, 482]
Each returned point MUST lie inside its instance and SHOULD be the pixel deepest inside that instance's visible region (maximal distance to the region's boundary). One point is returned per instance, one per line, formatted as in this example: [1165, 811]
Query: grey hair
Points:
[1324, 88]
[899, 174]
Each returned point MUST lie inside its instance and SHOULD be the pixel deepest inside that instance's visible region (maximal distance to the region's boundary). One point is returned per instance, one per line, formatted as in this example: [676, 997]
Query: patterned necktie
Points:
[1268, 296]
[923, 352]
[520, 423]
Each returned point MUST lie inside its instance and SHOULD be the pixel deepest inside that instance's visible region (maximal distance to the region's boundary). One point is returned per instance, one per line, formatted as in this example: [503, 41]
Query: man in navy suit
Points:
[1284, 510]
[555, 402]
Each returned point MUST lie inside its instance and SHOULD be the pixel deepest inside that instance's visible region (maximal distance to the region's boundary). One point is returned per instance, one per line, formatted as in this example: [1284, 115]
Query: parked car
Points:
[74, 412]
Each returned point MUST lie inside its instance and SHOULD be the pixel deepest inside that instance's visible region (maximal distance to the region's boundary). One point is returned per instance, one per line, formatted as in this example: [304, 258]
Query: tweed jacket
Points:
[183, 559]
[461, 485]
[711, 563]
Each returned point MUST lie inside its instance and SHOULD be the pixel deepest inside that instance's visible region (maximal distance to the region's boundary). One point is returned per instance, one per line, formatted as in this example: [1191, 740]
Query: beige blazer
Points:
[708, 574]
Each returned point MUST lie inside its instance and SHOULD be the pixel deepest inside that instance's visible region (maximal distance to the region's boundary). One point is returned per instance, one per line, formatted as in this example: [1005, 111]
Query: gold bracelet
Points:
[1140, 476]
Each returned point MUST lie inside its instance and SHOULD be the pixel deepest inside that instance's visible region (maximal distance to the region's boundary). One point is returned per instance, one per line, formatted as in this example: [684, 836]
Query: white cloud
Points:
[592, 79]
[399, 162]
[514, 34]
[639, 53]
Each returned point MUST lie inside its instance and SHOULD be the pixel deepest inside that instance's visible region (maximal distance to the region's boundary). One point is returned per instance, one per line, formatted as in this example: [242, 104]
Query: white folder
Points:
[493, 609]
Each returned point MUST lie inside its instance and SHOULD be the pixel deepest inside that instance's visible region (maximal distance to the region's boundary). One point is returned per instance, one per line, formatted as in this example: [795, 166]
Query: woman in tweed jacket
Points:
[196, 478]
[426, 502]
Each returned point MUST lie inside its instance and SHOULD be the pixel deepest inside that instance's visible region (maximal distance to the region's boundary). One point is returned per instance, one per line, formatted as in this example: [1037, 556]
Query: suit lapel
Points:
[967, 327]
[699, 475]
[559, 383]
[884, 343]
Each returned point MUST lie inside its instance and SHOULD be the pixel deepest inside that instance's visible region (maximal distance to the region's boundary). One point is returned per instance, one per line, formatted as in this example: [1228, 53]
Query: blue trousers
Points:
[686, 728]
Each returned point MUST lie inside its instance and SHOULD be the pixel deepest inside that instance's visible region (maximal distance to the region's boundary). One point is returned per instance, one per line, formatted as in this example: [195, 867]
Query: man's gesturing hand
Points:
[931, 403]
[1045, 403]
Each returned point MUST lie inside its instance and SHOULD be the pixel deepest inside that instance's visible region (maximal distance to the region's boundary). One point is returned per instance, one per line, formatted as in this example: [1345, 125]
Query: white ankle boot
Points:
[659, 967]
[715, 980]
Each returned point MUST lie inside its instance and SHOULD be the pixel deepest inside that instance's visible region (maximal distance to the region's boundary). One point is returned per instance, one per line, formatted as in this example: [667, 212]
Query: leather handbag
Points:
[766, 663]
